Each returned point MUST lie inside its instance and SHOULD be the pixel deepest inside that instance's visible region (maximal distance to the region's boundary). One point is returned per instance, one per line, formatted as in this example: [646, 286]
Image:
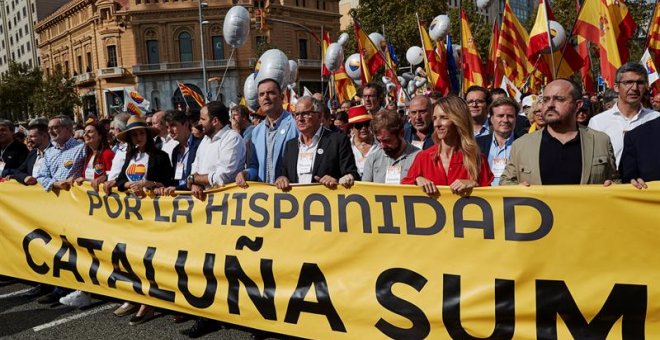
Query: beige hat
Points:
[134, 123]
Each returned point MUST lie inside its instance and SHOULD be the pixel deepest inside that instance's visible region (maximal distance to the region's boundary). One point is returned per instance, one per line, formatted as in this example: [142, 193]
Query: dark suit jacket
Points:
[409, 130]
[193, 144]
[336, 160]
[14, 156]
[25, 169]
[485, 142]
[639, 158]
[159, 169]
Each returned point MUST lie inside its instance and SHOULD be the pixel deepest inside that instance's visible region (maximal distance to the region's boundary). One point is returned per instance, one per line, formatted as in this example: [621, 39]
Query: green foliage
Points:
[479, 26]
[397, 19]
[17, 85]
[57, 95]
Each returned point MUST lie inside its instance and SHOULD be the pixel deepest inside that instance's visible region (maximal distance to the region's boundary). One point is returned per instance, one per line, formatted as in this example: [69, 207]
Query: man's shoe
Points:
[148, 315]
[201, 327]
[125, 309]
[49, 299]
[77, 299]
[37, 291]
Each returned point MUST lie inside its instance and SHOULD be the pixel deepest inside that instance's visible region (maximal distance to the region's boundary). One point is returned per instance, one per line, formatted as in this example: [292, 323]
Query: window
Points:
[218, 47]
[79, 64]
[89, 62]
[153, 56]
[302, 48]
[185, 47]
[28, 46]
[66, 68]
[112, 55]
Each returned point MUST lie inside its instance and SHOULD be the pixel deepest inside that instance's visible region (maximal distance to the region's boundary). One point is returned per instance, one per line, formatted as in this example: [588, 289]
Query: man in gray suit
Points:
[562, 153]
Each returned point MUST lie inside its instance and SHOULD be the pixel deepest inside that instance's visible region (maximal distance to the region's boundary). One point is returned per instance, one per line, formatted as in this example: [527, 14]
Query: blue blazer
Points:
[256, 164]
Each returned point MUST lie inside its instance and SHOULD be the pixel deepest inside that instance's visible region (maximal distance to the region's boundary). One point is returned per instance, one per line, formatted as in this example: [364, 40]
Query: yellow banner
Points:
[369, 262]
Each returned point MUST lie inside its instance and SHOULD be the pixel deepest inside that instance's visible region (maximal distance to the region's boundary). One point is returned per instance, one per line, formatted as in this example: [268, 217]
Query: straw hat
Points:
[135, 123]
[358, 114]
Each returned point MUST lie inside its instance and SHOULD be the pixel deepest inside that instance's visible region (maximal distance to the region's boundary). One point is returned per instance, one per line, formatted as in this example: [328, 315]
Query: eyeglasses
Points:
[559, 99]
[361, 125]
[304, 114]
[630, 83]
[476, 102]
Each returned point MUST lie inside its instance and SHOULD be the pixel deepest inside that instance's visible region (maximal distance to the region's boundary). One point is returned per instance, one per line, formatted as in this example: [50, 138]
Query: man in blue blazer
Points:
[639, 160]
[266, 147]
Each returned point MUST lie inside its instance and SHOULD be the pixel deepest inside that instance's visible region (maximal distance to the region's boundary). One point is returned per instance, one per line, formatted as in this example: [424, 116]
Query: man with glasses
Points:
[563, 152]
[318, 155]
[631, 86]
[373, 96]
[478, 99]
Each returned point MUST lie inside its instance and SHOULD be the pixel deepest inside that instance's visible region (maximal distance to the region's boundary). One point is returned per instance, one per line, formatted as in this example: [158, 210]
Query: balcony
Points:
[111, 72]
[82, 78]
[309, 63]
[185, 66]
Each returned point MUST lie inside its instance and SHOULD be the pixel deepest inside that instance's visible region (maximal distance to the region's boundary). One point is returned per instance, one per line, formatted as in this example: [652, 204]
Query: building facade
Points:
[18, 19]
[151, 45]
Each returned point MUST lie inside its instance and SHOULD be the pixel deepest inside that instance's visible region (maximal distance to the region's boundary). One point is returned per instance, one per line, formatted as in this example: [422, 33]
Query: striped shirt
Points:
[62, 162]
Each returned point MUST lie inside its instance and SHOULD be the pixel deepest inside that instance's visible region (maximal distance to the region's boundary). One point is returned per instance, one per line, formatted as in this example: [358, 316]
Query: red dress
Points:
[425, 166]
[103, 165]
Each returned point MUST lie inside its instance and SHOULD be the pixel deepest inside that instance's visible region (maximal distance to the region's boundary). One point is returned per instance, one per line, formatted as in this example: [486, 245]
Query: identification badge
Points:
[305, 162]
[418, 144]
[360, 164]
[2, 166]
[499, 164]
[393, 175]
[178, 173]
[89, 173]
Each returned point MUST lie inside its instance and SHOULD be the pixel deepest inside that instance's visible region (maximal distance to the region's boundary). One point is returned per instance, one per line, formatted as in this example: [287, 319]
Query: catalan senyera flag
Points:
[473, 73]
[609, 25]
[370, 57]
[512, 48]
[326, 42]
[434, 62]
[653, 41]
[650, 67]
[344, 87]
[135, 103]
[188, 92]
[492, 66]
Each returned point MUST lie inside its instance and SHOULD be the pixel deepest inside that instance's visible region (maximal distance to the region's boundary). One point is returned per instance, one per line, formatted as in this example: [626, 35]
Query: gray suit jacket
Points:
[598, 164]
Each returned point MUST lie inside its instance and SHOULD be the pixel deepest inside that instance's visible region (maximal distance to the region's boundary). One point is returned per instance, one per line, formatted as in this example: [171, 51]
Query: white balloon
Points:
[293, 72]
[411, 88]
[439, 27]
[415, 55]
[236, 27]
[558, 36]
[390, 87]
[352, 66]
[343, 38]
[274, 65]
[402, 80]
[378, 40]
[334, 57]
[357, 82]
[419, 82]
[483, 4]
[250, 92]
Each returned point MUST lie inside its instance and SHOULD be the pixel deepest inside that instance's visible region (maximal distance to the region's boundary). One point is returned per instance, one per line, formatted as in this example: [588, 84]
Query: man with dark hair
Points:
[628, 113]
[373, 96]
[391, 162]
[419, 132]
[478, 100]
[268, 138]
[183, 155]
[497, 144]
[561, 153]
[498, 92]
[12, 153]
[240, 121]
[39, 140]
[609, 99]
[220, 155]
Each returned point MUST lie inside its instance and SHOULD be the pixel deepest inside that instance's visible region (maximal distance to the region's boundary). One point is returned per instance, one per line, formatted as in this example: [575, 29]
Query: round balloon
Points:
[293, 72]
[483, 4]
[274, 65]
[250, 92]
[236, 27]
[558, 36]
[334, 57]
[378, 40]
[439, 27]
[343, 38]
[415, 55]
[352, 66]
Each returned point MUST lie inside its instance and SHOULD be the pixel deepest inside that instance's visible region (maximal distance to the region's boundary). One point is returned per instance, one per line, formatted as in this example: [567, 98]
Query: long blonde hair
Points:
[459, 114]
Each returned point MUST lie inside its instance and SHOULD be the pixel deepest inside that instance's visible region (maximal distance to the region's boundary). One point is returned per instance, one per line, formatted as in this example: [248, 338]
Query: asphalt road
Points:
[23, 318]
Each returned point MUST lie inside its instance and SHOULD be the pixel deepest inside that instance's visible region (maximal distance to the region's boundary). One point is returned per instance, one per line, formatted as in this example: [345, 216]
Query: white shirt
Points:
[359, 157]
[117, 162]
[221, 157]
[615, 125]
[306, 157]
[169, 144]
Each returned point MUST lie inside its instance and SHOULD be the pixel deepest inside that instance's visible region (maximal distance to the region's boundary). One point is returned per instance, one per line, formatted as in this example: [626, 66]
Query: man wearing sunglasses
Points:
[631, 86]
[318, 155]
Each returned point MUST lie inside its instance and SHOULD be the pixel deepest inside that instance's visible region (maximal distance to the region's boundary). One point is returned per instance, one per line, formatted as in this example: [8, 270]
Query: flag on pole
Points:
[135, 103]
[512, 48]
[609, 25]
[435, 63]
[492, 69]
[326, 43]
[510, 88]
[344, 86]
[370, 58]
[586, 72]
[473, 73]
[188, 92]
[451, 66]
[649, 65]
[653, 41]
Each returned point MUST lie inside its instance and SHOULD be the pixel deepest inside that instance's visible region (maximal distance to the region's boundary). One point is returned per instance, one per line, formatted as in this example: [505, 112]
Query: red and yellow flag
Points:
[492, 66]
[435, 62]
[609, 25]
[586, 72]
[370, 57]
[344, 87]
[511, 48]
[653, 41]
[473, 73]
[188, 92]
[326, 42]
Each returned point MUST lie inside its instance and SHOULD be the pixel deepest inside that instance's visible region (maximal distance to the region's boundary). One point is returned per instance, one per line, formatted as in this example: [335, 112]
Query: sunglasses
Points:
[361, 125]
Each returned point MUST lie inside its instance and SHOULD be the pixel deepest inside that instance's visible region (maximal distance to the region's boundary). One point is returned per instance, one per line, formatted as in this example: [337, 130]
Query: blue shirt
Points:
[62, 162]
[485, 129]
[501, 154]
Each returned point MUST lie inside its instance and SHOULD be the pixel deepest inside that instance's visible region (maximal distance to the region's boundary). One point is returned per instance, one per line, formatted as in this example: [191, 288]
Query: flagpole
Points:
[462, 67]
[426, 60]
[568, 38]
[531, 73]
[322, 57]
[547, 30]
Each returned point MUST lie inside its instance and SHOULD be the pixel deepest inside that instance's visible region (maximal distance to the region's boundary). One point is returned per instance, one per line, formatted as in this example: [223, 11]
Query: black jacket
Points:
[25, 169]
[13, 156]
[159, 169]
[192, 151]
[639, 158]
[336, 158]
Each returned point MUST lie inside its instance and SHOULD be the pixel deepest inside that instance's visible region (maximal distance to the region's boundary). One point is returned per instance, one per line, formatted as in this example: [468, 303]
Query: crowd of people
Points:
[482, 139]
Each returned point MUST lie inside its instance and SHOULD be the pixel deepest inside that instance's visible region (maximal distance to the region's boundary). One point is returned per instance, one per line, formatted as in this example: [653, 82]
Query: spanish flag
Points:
[435, 63]
[326, 42]
[609, 25]
[653, 42]
[473, 73]
[370, 57]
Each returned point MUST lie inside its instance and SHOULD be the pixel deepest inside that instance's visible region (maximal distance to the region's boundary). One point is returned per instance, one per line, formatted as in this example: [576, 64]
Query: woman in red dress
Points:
[455, 159]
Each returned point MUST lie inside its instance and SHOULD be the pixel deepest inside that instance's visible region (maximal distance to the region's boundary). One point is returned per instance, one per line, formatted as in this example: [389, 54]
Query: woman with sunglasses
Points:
[455, 159]
[363, 142]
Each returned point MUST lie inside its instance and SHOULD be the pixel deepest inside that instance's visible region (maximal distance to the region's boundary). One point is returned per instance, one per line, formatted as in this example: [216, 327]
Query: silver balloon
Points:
[353, 67]
[483, 4]
[558, 36]
[250, 92]
[274, 65]
[378, 40]
[439, 27]
[293, 72]
[236, 27]
[334, 57]
[343, 38]
[415, 55]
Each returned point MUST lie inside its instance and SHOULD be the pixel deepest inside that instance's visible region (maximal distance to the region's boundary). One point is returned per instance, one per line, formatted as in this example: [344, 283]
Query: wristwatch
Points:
[190, 180]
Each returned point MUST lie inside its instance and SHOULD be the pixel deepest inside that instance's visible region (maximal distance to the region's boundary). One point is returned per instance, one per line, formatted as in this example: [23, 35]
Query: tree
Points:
[17, 85]
[481, 29]
[56, 96]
